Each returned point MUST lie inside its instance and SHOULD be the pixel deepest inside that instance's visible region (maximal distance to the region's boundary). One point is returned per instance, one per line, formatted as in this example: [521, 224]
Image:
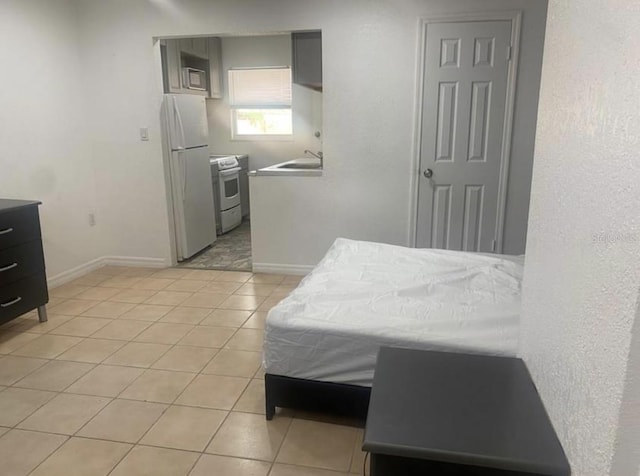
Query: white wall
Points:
[121, 68]
[261, 51]
[45, 153]
[369, 66]
[582, 271]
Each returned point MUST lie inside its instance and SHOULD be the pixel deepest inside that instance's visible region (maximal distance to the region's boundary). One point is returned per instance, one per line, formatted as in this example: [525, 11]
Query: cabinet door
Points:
[186, 45]
[307, 59]
[215, 68]
[174, 73]
[197, 47]
[200, 47]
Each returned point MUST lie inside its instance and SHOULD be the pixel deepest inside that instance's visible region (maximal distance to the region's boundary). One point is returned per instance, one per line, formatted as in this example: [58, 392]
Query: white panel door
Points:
[463, 113]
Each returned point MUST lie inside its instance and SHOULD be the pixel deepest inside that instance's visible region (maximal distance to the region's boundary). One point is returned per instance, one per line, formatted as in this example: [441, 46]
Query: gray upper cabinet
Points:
[203, 54]
[307, 59]
[172, 67]
[198, 47]
[215, 68]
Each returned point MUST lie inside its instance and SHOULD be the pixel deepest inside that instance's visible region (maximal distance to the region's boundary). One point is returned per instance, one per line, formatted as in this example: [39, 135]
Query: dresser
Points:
[23, 281]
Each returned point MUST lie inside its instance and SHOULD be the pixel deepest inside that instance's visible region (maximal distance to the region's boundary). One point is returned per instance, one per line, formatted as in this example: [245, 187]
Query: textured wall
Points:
[582, 270]
[626, 460]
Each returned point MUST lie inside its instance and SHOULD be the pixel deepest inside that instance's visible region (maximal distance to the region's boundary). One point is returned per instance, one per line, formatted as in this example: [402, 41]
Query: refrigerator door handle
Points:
[176, 112]
[184, 184]
[182, 163]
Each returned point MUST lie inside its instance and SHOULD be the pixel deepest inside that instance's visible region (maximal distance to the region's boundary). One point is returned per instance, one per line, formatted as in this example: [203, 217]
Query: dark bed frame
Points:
[312, 395]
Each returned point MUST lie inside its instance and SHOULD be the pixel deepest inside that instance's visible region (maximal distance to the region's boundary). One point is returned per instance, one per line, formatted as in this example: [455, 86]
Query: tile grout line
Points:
[94, 365]
[286, 433]
[126, 453]
[228, 412]
[150, 367]
[56, 392]
[28, 373]
[169, 406]
[159, 320]
[118, 396]
[261, 298]
[50, 454]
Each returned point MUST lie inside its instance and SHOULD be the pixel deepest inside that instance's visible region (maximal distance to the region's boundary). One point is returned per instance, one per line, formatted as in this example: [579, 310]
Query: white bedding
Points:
[363, 295]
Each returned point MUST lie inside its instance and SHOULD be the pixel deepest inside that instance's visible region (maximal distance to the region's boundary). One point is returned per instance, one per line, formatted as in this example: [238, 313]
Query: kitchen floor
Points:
[231, 251]
[143, 372]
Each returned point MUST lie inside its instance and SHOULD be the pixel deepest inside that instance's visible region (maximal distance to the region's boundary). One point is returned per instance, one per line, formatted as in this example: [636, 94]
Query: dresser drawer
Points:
[22, 296]
[19, 226]
[21, 261]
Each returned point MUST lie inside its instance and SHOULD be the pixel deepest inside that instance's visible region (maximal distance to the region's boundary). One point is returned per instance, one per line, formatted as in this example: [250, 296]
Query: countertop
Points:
[275, 170]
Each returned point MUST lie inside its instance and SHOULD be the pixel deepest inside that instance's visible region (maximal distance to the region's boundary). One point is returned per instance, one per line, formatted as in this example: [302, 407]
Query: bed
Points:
[322, 340]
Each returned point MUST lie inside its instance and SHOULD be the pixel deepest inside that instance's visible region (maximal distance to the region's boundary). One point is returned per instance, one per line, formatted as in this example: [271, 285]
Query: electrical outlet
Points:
[92, 219]
[144, 134]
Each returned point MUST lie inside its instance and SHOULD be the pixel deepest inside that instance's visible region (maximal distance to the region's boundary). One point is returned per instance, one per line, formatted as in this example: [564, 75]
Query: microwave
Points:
[194, 79]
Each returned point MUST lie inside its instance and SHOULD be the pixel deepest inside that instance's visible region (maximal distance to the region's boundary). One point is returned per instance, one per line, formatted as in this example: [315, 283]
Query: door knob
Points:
[428, 173]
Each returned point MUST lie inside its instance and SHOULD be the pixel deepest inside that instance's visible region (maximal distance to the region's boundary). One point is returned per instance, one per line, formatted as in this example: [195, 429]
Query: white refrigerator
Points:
[190, 171]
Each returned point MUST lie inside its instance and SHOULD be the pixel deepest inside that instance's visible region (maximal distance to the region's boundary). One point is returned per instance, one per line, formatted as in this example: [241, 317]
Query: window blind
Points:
[260, 88]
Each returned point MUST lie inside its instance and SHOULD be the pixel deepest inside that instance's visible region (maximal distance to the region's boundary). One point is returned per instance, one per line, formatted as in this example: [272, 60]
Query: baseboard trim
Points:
[81, 270]
[292, 269]
[138, 262]
[141, 262]
[73, 273]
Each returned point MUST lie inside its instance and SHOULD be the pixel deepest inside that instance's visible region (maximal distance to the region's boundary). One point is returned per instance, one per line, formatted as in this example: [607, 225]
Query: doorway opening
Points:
[251, 112]
[230, 252]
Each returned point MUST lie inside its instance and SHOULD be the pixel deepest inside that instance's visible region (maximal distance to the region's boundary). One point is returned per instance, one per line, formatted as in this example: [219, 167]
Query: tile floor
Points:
[143, 372]
[231, 251]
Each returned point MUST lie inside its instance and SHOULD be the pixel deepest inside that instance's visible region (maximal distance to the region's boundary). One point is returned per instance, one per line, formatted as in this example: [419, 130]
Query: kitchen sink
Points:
[299, 166]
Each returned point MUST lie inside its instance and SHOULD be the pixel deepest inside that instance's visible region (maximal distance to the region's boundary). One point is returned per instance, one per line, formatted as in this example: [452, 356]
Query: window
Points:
[260, 101]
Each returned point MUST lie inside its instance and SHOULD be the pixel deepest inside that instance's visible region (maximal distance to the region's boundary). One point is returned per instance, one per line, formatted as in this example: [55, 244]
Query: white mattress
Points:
[365, 295]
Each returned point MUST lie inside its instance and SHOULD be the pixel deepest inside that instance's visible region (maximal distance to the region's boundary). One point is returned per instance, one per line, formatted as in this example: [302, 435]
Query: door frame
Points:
[515, 16]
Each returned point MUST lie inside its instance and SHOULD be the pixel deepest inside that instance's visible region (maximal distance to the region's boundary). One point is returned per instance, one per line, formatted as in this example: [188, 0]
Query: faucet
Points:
[317, 156]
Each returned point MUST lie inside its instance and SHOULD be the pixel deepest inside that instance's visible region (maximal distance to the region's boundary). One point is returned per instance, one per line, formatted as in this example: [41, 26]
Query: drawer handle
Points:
[11, 303]
[5, 231]
[7, 268]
